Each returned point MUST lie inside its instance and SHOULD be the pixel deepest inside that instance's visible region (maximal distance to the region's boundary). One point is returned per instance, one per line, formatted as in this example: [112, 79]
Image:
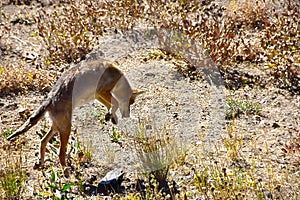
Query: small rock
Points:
[111, 181]
[112, 177]
[175, 115]
[150, 74]
[275, 125]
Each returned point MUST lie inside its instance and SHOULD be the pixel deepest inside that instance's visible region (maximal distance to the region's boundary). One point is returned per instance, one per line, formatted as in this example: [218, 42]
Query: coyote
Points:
[100, 80]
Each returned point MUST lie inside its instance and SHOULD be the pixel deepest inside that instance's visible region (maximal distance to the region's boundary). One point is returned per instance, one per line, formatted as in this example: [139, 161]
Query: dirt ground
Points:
[182, 105]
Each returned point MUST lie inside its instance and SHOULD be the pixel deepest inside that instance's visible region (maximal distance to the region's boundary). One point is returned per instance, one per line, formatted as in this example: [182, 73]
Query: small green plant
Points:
[55, 188]
[153, 188]
[237, 108]
[86, 153]
[12, 177]
[99, 114]
[61, 188]
[115, 136]
[7, 132]
[155, 54]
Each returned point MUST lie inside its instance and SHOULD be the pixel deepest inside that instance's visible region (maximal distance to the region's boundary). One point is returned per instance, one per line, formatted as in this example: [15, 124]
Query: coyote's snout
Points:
[100, 80]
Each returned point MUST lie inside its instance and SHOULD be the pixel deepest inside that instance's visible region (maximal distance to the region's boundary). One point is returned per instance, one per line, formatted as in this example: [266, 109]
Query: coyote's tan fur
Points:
[84, 82]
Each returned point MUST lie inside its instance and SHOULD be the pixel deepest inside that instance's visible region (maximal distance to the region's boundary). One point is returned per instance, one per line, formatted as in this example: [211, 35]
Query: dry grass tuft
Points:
[18, 79]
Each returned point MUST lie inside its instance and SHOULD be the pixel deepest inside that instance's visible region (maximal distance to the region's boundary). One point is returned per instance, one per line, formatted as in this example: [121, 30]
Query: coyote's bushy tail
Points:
[32, 120]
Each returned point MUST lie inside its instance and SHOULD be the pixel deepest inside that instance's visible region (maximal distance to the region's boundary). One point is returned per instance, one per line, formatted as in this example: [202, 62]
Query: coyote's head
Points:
[125, 106]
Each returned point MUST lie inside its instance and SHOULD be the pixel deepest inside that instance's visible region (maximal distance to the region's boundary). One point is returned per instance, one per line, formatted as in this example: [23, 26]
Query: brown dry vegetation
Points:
[255, 45]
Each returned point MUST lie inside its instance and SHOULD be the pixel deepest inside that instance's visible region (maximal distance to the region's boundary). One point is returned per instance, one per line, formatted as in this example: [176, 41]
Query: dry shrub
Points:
[21, 78]
[282, 47]
[70, 31]
[250, 14]
[263, 33]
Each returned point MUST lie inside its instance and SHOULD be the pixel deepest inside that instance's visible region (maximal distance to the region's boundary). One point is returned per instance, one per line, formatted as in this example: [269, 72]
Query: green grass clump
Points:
[7, 132]
[237, 108]
[83, 149]
[54, 187]
[115, 136]
[12, 177]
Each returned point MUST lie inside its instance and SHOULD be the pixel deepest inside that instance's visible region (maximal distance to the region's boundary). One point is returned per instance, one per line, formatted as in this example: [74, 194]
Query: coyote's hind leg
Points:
[64, 138]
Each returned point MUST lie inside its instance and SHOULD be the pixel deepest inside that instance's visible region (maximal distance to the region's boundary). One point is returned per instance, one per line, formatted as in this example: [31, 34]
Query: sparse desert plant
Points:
[86, 152]
[241, 31]
[236, 108]
[149, 147]
[71, 31]
[99, 114]
[237, 31]
[217, 182]
[249, 14]
[221, 178]
[156, 150]
[12, 177]
[115, 135]
[236, 175]
[83, 148]
[232, 142]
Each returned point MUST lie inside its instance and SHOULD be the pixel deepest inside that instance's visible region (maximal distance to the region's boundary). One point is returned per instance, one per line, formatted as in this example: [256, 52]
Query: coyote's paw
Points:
[113, 119]
[107, 117]
[38, 165]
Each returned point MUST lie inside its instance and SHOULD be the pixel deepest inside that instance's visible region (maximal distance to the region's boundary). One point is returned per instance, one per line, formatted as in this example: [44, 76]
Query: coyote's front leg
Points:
[109, 116]
[113, 110]
[111, 104]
